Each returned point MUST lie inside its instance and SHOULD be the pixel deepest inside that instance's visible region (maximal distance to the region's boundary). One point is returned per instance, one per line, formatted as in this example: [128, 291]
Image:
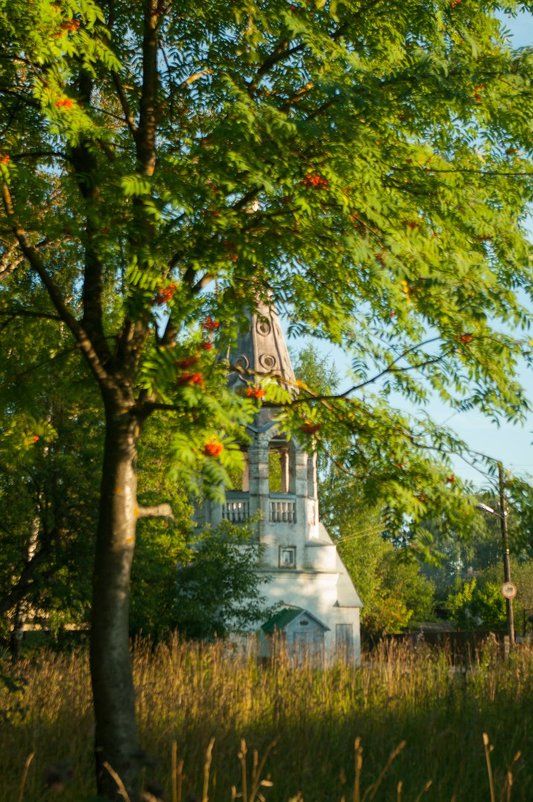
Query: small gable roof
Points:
[285, 616]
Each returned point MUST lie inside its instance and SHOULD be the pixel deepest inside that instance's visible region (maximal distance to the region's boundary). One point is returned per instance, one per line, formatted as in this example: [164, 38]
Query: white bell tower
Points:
[318, 604]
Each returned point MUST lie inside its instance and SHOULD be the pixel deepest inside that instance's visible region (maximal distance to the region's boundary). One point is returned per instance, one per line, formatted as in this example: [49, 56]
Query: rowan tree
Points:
[365, 165]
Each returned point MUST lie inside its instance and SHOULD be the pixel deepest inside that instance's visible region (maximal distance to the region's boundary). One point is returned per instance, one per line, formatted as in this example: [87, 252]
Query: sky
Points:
[521, 29]
[508, 443]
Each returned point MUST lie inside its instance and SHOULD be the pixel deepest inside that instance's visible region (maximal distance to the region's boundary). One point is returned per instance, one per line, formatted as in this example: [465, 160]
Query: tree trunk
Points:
[116, 738]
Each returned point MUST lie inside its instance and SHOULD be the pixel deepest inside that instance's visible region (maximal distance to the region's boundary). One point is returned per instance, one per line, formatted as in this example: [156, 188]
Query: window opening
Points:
[240, 475]
[280, 467]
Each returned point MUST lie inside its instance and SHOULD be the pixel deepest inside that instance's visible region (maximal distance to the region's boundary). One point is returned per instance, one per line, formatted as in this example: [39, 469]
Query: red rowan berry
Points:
[213, 448]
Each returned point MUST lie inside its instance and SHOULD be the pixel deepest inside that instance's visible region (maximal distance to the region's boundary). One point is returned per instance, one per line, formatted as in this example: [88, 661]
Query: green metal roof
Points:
[281, 619]
[284, 617]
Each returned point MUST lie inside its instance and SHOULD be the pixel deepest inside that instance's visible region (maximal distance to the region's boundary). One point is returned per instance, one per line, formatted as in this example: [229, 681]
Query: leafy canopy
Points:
[367, 164]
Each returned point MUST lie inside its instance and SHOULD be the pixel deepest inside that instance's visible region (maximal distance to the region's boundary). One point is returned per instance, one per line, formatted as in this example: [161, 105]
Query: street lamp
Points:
[486, 508]
[508, 589]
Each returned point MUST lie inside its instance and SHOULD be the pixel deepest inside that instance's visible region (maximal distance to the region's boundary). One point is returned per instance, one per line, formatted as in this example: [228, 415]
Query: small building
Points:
[318, 606]
[295, 629]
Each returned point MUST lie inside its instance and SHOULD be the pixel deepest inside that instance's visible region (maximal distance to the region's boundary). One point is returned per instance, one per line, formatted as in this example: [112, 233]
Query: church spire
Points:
[261, 350]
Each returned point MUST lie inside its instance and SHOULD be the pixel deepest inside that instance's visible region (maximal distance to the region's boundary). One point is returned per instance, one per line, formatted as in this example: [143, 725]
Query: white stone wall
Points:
[317, 581]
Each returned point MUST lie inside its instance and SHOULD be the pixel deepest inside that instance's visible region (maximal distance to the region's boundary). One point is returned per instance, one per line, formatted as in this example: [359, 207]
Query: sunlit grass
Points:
[189, 694]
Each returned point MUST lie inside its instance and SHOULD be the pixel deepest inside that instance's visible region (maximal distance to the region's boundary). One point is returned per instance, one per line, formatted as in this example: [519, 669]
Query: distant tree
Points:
[389, 579]
[478, 601]
[477, 606]
[202, 584]
[459, 552]
[402, 578]
[474, 548]
[519, 493]
[50, 432]
[219, 589]
[162, 542]
[316, 367]
[522, 578]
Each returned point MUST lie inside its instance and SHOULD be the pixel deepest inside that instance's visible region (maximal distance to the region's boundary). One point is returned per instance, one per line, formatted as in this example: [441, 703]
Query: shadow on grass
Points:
[188, 694]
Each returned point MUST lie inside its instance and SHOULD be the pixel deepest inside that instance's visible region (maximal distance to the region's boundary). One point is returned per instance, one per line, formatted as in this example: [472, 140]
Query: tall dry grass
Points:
[189, 694]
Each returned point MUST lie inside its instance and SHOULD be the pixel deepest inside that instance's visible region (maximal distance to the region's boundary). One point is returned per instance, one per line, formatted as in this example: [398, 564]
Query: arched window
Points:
[280, 466]
[236, 508]
[240, 477]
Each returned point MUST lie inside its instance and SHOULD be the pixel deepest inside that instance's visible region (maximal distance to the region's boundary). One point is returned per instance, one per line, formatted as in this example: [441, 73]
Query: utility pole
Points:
[505, 550]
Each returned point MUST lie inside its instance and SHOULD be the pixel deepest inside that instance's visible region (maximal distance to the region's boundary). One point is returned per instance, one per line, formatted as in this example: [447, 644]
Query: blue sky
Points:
[521, 28]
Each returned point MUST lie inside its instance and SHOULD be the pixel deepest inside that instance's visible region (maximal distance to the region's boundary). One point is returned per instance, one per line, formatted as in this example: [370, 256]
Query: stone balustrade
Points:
[236, 510]
[282, 510]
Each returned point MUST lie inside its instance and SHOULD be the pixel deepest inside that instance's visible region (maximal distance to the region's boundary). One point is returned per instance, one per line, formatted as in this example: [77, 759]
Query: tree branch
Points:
[9, 261]
[146, 132]
[37, 154]
[390, 368]
[26, 580]
[159, 511]
[311, 396]
[489, 173]
[24, 98]
[85, 165]
[128, 116]
[31, 370]
[34, 258]
[158, 406]
[134, 332]
[281, 51]
[278, 54]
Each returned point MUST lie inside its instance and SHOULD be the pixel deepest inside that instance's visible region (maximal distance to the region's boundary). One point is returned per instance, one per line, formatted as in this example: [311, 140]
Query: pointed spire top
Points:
[261, 349]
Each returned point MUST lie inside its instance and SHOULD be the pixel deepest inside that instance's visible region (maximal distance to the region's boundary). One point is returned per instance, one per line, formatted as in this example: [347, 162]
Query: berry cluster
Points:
[165, 294]
[213, 448]
[64, 103]
[190, 378]
[255, 392]
[70, 25]
[210, 324]
[315, 180]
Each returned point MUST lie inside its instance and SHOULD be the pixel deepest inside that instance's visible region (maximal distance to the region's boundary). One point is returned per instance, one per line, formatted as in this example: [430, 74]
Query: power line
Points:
[360, 534]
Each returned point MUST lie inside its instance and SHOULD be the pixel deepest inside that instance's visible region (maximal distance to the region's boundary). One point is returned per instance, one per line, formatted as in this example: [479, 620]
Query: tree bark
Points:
[116, 737]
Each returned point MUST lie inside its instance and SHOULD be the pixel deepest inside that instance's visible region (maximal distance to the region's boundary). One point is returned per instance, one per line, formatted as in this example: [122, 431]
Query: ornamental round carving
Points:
[267, 361]
[263, 327]
[242, 363]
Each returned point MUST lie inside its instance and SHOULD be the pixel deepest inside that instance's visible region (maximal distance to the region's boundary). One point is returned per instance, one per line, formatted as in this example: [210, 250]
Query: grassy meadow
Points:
[405, 726]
